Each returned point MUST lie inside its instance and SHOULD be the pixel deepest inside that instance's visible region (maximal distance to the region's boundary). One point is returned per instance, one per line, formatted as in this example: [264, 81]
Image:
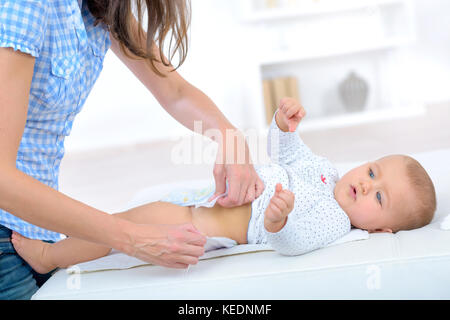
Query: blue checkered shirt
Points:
[69, 54]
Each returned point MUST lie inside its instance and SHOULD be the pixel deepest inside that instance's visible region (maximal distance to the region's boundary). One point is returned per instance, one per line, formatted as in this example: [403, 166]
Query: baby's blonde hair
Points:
[420, 212]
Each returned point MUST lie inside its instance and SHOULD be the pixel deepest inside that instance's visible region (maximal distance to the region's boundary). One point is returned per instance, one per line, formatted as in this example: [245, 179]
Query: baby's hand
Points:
[281, 204]
[289, 115]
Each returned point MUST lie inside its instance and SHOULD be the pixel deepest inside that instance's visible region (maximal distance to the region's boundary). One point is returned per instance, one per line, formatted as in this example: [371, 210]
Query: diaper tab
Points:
[210, 204]
[194, 197]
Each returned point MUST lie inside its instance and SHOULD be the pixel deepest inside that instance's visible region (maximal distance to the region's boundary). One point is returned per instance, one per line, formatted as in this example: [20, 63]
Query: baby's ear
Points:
[387, 230]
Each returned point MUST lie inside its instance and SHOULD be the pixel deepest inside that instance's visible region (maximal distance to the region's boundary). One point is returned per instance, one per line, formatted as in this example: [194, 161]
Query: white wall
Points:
[430, 56]
[121, 111]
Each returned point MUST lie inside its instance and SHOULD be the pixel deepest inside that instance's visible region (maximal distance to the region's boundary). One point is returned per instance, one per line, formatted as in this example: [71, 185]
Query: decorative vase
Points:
[354, 91]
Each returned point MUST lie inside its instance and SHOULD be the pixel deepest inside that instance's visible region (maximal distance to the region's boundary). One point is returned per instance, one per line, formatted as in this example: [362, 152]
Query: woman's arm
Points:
[20, 194]
[33, 201]
[187, 104]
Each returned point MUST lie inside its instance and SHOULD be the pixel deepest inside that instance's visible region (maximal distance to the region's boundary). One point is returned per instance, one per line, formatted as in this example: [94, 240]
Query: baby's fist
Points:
[289, 115]
[281, 204]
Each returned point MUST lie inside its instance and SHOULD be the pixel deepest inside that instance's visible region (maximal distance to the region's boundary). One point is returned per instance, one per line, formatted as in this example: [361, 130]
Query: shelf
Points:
[296, 56]
[274, 14]
[328, 31]
[358, 118]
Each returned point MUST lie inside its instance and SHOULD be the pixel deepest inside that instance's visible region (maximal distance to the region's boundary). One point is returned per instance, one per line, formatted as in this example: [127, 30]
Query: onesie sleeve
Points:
[23, 24]
[305, 232]
[285, 147]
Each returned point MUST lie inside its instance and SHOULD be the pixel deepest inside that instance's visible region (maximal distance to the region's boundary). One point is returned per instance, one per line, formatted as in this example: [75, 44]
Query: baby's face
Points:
[373, 194]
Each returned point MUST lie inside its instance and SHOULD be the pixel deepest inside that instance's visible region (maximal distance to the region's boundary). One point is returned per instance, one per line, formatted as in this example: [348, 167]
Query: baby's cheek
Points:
[367, 214]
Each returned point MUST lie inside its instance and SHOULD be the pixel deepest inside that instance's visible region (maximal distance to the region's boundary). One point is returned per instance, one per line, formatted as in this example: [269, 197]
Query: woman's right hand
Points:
[172, 246]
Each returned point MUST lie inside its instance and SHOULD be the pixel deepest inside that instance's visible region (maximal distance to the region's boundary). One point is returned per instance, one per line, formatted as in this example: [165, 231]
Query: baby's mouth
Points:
[353, 192]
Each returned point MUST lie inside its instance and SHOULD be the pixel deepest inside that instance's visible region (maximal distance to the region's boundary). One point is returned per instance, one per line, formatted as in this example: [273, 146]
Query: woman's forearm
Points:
[194, 105]
[183, 101]
[22, 195]
[40, 205]
[170, 246]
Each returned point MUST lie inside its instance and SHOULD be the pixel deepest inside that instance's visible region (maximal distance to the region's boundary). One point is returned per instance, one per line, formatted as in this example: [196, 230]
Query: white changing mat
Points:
[214, 248]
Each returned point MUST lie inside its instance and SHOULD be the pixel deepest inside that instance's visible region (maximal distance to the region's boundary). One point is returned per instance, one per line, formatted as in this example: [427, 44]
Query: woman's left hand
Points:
[233, 165]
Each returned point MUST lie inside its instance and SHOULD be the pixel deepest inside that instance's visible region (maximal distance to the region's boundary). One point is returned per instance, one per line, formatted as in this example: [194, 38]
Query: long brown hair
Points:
[165, 17]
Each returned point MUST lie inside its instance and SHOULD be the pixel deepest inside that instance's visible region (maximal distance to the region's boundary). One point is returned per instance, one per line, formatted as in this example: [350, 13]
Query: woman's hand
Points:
[289, 115]
[172, 246]
[233, 165]
[281, 204]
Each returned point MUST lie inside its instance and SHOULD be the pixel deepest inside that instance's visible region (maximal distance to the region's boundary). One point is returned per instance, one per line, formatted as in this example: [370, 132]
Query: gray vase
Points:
[354, 91]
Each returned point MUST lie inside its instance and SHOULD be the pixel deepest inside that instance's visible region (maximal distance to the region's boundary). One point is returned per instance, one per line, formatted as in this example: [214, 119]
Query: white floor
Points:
[108, 179]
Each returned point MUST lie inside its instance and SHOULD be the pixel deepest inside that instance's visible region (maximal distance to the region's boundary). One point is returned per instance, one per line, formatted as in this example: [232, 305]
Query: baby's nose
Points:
[365, 187]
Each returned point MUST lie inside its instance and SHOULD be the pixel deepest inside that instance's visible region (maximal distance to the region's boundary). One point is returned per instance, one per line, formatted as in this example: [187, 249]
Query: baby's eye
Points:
[371, 174]
[379, 197]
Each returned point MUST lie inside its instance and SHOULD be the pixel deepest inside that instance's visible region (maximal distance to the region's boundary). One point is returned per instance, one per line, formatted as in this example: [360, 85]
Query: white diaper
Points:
[193, 197]
[214, 243]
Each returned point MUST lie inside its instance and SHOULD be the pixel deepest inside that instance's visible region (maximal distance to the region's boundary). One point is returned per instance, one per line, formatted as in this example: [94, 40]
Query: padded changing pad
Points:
[406, 265]
[215, 247]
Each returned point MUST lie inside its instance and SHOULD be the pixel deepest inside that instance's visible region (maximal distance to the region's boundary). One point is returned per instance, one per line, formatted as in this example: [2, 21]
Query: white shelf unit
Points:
[363, 117]
[318, 53]
[308, 39]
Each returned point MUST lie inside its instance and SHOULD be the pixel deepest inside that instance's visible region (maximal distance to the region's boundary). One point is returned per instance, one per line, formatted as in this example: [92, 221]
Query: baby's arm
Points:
[284, 145]
[293, 233]
[280, 205]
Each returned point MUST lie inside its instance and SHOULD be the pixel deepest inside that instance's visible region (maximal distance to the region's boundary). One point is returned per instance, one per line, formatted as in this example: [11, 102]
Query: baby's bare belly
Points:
[223, 222]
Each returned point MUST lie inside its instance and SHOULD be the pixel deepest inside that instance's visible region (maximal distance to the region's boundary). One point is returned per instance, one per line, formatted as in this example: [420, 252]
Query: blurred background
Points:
[373, 76]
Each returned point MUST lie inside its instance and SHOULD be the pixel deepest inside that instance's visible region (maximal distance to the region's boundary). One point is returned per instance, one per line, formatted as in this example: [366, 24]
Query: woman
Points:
[51, 53]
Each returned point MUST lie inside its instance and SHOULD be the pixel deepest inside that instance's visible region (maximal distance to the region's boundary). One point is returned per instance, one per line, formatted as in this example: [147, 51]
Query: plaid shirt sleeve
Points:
[23, 24]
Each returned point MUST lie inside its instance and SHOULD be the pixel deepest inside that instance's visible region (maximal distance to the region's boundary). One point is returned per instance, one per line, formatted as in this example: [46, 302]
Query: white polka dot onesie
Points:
[317, 219]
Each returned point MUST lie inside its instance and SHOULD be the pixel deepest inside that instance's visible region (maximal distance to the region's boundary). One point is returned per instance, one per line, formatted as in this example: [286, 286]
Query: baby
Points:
[305, 206]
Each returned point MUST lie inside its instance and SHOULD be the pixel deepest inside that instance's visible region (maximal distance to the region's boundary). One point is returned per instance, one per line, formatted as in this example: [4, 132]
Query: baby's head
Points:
[388, 195]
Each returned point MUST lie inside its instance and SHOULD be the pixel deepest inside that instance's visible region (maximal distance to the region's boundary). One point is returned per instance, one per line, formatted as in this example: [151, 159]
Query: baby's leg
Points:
[44, 257]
